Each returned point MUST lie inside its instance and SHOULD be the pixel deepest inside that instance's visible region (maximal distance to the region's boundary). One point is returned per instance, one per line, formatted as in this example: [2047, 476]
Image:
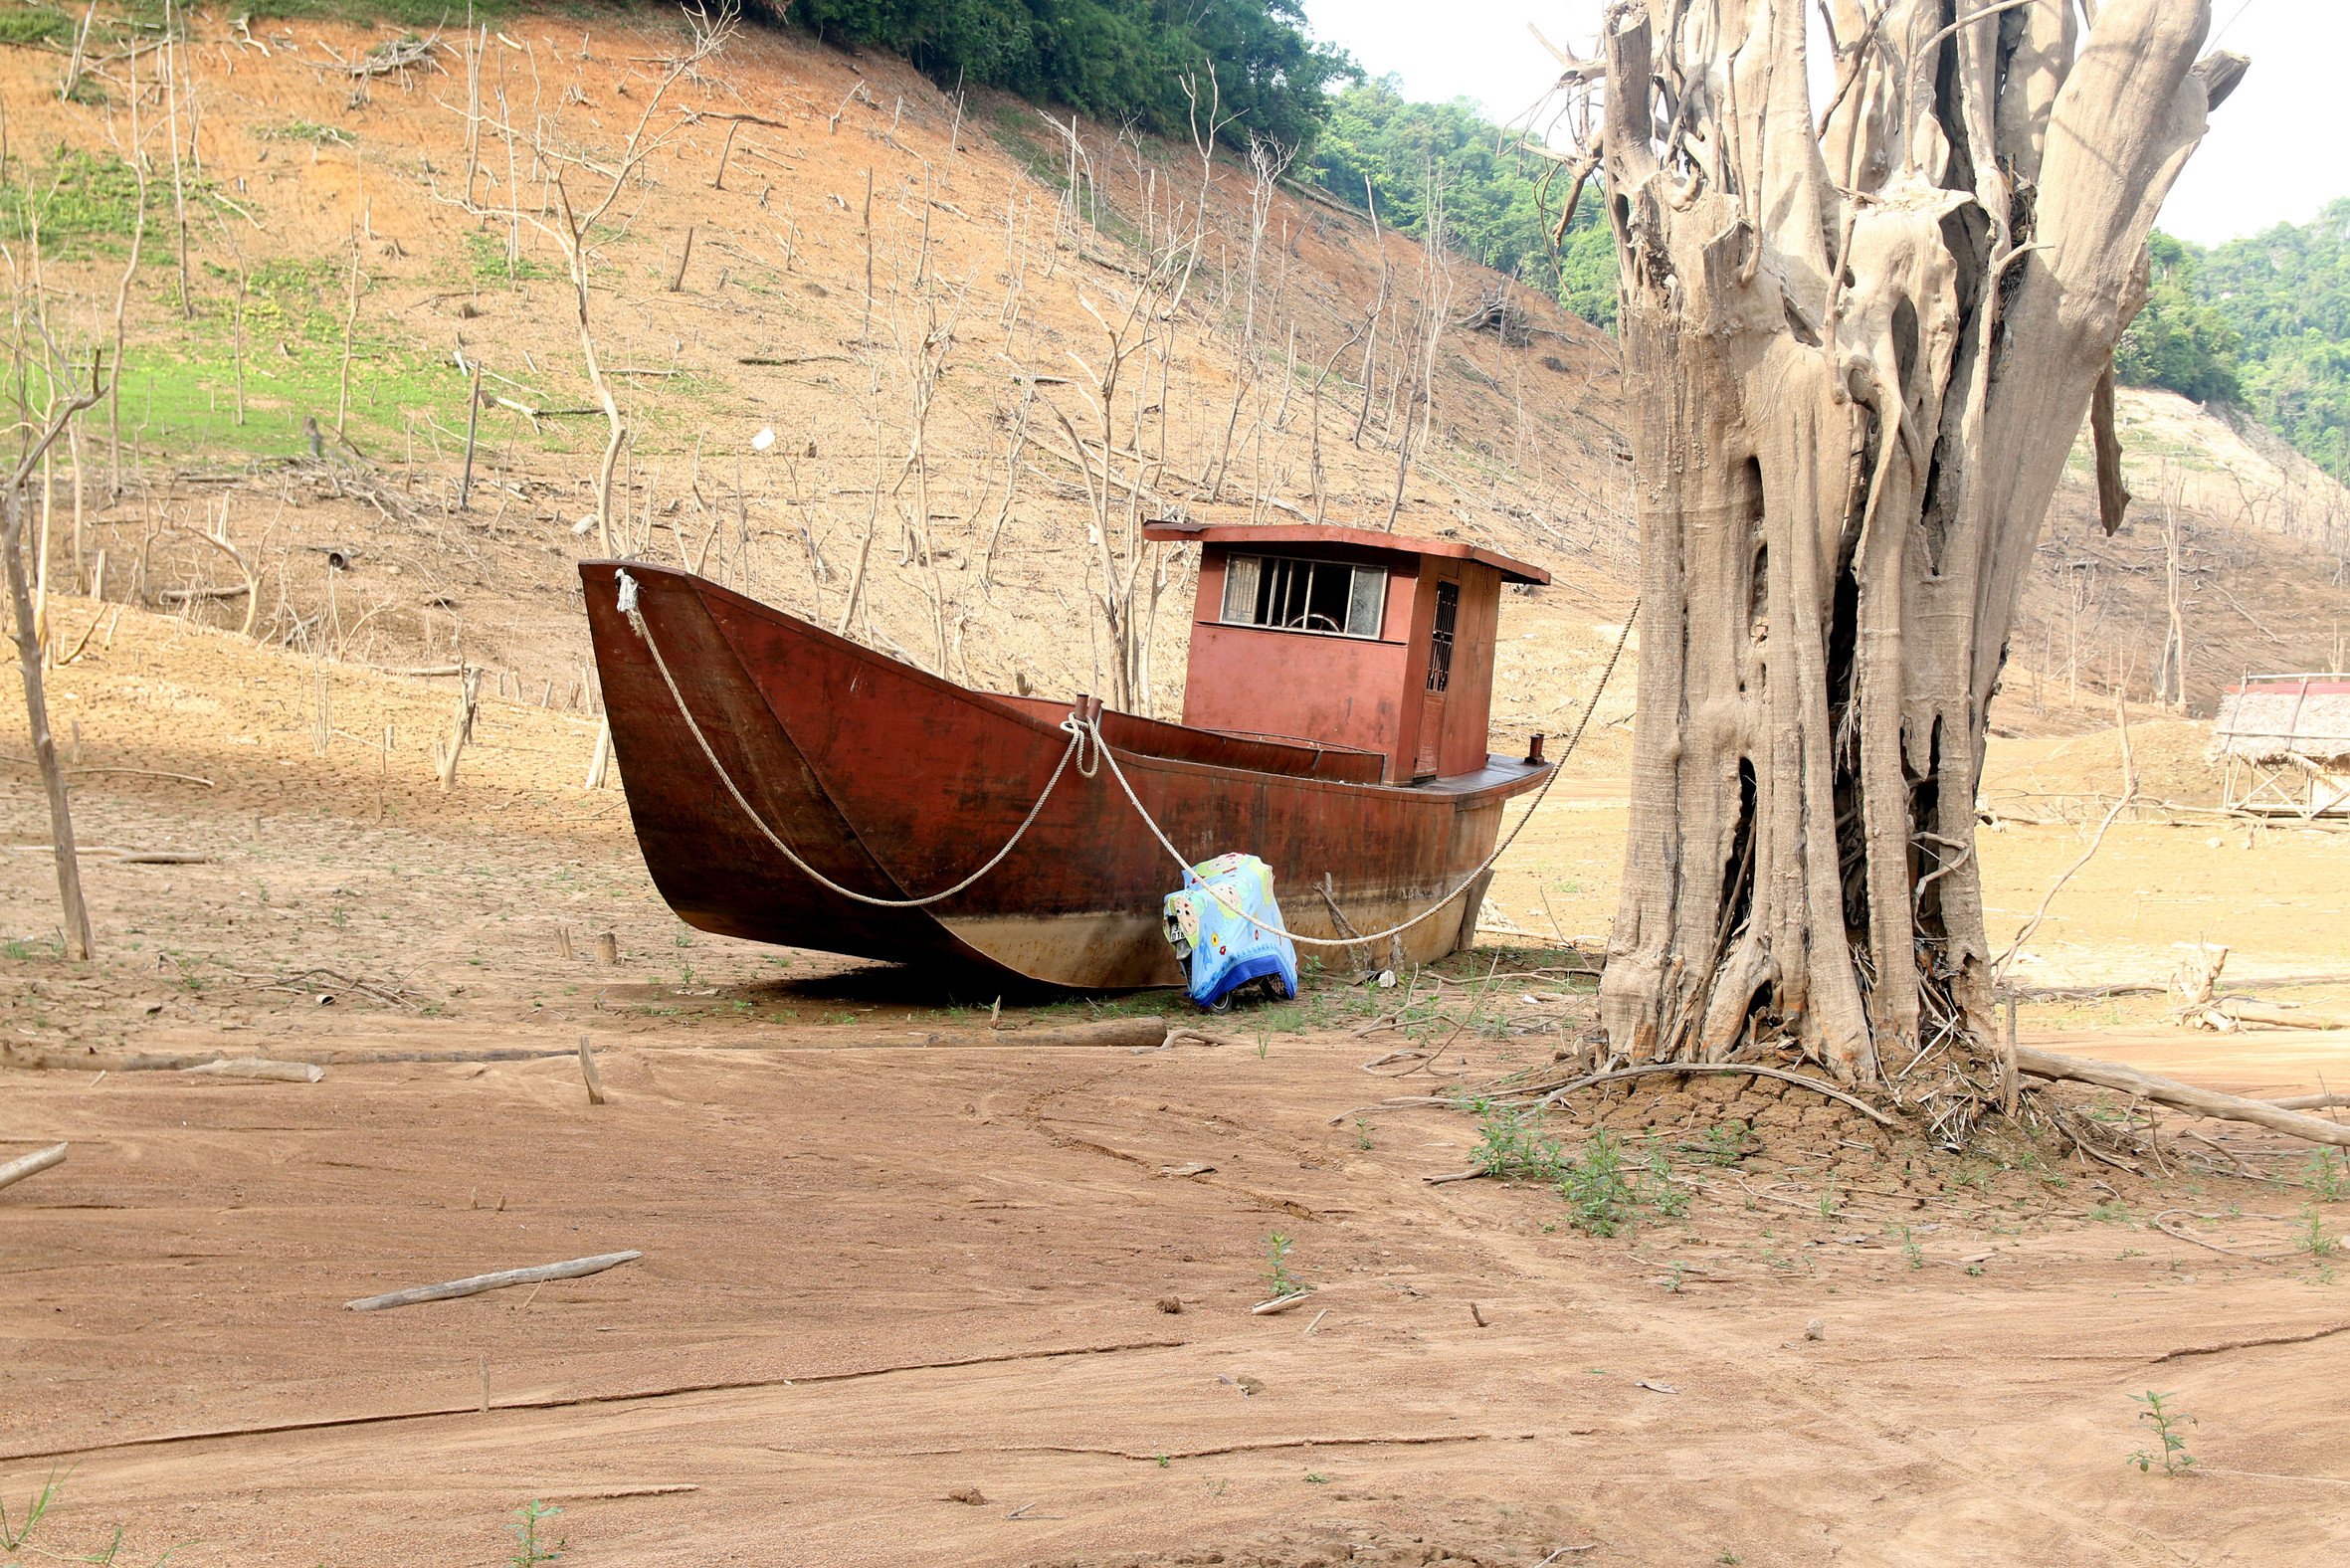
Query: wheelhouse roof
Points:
[1307, 534]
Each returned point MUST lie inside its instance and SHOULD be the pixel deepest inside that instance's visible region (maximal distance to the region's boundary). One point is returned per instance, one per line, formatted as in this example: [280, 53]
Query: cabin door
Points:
[1440, 679]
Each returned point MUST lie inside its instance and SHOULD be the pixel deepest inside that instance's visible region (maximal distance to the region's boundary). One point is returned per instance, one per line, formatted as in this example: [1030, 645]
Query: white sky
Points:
[2274, 154]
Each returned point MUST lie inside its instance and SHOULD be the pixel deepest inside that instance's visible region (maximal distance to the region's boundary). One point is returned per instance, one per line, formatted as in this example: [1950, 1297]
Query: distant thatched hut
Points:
[2286, 742]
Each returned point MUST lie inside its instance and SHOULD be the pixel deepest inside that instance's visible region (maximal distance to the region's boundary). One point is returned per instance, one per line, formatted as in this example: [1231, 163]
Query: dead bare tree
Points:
[138, 235]
[572, 225]
[1857, 351]
[1418, 368]
[14, 499]
[179, 189]
[2171, 677]
[1115, 490]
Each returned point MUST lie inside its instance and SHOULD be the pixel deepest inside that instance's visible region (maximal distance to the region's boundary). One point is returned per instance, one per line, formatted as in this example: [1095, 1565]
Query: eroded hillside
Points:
[774, 407]
[884, 411]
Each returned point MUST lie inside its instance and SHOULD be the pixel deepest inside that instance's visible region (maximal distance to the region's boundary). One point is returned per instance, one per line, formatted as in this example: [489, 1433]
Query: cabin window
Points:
[1327, 597]
[1439, 640]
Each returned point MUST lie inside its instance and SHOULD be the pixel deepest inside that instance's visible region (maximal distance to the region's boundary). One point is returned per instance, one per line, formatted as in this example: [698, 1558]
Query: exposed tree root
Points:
[1814, 1084]
[2182, 1236]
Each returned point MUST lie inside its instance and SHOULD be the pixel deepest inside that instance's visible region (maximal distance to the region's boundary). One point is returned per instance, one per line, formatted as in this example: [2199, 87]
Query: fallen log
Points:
[256, 1067]
[1152, 1030]
[2277, 1016]
[2181, 1097]
[32, 1164]
[2310, 1102]
[493, 1281]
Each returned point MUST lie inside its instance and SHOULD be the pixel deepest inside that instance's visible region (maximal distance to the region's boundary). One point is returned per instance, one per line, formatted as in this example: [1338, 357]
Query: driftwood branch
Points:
[475, 1285]
[2248, 1012]
[2181, 1097]
[256, 1067]
[251, 590]
[32, 1164]
[2258, 1258]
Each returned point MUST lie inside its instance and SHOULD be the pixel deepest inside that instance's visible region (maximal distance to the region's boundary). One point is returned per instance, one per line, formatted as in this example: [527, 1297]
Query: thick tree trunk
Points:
[1856, 357]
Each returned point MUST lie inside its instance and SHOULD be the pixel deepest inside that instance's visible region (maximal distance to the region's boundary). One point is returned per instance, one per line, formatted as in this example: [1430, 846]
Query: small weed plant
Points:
[1606, 1186]
[1722, 1144]
[1510, 1143]
[15, 1532]
[1276, 1268]
[530, 1546]
[17, 1535]
[2160, 1417]
[2328, 1175]
[1911, 1250]
[2314, 1240]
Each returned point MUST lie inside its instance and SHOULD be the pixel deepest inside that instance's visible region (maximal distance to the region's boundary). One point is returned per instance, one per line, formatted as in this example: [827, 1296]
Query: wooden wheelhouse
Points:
[1350, 639]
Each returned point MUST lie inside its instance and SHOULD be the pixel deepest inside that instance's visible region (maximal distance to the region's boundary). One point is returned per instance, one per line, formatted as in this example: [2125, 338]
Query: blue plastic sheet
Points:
[1221, 950]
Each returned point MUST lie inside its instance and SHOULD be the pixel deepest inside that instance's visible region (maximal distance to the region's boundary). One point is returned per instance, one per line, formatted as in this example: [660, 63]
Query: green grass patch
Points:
[306, 130]
[1009, 128]
[32, 26]
[487, 251]
[423, 15]
[181, 397]
[83, 204]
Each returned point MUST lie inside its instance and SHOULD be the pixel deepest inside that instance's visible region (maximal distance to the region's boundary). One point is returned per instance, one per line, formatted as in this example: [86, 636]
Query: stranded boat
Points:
[789, 786]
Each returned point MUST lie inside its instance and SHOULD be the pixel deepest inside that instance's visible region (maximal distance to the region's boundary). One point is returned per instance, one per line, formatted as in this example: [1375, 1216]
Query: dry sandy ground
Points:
[874, 1277]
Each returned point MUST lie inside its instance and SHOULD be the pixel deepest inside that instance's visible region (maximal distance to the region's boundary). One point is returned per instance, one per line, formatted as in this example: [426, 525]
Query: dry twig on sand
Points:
[385, 58]
[257, 1068]
[2258, 1258]
[32, 1164]
[475, 1285]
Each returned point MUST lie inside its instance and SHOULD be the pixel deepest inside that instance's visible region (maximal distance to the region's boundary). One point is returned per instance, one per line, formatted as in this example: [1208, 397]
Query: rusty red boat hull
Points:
[896, 784]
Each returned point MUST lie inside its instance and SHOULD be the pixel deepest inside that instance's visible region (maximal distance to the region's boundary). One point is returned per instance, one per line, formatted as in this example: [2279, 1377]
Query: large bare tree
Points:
[1859, 337]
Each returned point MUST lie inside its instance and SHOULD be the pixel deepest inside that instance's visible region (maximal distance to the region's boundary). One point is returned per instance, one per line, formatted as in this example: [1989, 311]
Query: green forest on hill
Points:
[1490, 199]
[2262, 322]
[1139, 60]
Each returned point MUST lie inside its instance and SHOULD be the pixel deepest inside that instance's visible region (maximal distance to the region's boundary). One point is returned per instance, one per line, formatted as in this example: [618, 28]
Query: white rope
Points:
[1394, 930]
[1076, 744]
